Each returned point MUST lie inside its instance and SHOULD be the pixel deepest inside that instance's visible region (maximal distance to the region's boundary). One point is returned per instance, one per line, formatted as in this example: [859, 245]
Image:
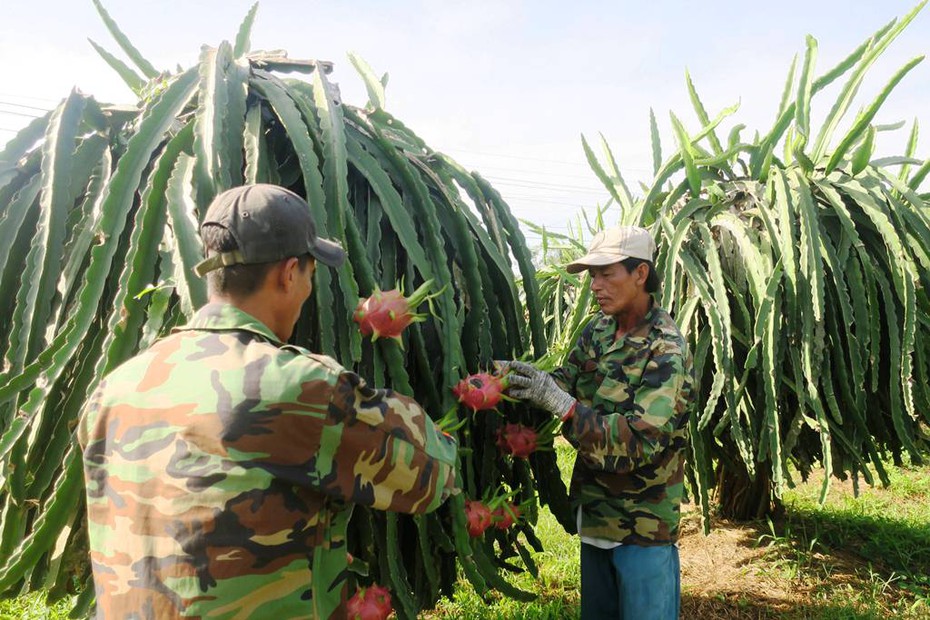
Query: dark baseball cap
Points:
[269, 223]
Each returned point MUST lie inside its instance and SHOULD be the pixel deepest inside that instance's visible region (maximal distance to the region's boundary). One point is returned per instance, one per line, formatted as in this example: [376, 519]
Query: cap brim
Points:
[593, 260]
[328, 252]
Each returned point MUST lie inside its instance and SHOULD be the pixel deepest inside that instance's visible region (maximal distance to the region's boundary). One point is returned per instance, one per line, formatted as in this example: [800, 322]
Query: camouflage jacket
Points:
[629, 427]
[221, 470]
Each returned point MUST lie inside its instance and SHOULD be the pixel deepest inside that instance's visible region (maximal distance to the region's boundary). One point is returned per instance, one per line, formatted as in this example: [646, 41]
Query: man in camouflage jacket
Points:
[624, 397]
[222, 464]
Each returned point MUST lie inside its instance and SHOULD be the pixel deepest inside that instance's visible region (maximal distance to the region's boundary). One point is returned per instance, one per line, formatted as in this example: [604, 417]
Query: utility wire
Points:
[488, 176]
[551, 161]
[530, 183]
[537, 201]
[540, 178]
[21, 114]
[546, 173]
[23, 105]
[5, 95]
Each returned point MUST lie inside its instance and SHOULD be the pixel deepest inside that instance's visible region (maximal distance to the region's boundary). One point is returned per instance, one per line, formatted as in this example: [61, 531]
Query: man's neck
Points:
[254, 306]
[634, 315]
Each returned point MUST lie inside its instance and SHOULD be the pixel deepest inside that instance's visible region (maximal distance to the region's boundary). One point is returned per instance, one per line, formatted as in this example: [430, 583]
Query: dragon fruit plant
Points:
[108, 198]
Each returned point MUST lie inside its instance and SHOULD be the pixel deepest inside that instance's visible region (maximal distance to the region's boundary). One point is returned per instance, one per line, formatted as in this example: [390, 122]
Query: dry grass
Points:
[721, 573]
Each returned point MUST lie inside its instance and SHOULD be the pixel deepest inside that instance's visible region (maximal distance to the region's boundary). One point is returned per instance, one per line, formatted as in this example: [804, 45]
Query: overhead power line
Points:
[23, 105]
[506, 156]
[14, 113]
[28, 97]
[530, 183]
[539, 159]
[548, 173]
[535, 199]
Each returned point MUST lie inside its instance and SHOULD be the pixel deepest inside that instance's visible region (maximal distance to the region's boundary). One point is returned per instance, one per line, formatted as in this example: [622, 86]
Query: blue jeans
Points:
[630, 583]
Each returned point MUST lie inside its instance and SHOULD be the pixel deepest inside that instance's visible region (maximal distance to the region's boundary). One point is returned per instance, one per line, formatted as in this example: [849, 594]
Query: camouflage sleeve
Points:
[637, 436]
[566, 375]
[88, 417]
[382, 450]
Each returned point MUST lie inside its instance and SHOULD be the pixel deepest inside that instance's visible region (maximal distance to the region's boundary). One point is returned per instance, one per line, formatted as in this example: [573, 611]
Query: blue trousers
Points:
[630, 583]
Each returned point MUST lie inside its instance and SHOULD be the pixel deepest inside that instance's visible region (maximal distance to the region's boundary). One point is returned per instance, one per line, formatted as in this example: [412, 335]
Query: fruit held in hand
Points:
[480, 391]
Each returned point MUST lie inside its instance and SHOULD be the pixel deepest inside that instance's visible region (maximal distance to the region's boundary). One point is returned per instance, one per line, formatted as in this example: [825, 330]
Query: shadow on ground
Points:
[887, 542]
[740, 606]
[808, 564]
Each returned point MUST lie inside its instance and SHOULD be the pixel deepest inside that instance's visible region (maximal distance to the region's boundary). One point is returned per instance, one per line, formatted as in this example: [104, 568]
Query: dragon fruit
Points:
[518, 440]
[387, 313]
[478, 517]
[480, 391]
[371, 603]
[502, 439]
[504, 518]
[521, 441]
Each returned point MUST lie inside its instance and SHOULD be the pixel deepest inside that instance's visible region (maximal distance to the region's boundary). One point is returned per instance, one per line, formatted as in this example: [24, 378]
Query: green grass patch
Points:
[559, 584]
[888, 526]
[864, 554]
[32, 606]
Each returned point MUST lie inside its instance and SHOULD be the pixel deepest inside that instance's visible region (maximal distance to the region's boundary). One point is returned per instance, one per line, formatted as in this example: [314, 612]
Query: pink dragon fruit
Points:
[371, 603]
[478, 517]
[520, 440]
[504, 518]
[387, 313]
[480, 391]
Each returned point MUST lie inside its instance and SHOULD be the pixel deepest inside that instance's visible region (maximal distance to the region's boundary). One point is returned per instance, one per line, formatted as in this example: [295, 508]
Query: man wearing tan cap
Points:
[623, 395]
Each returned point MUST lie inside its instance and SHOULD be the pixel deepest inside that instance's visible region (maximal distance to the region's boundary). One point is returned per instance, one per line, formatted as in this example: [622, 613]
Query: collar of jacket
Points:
[606, 329]
[218, 317]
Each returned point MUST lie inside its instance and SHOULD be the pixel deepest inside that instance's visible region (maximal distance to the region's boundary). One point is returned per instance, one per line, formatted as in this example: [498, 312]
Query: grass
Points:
[559, 583]
[865, 556]
[32, 606]
[871, 551]
[855, 558]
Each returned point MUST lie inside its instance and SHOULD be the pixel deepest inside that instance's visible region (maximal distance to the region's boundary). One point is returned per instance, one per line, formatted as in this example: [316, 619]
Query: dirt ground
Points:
[722, 578]
[741, 572]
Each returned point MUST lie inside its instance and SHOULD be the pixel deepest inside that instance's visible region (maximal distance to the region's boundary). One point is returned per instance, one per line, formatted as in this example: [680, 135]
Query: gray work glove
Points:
[537, 388]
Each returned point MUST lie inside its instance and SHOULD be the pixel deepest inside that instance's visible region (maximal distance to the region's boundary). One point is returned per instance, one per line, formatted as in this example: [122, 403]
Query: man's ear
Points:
[642, 273]
[287, 273]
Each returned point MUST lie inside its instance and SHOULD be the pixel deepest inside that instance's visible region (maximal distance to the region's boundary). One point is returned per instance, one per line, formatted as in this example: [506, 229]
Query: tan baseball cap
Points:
[614, 245]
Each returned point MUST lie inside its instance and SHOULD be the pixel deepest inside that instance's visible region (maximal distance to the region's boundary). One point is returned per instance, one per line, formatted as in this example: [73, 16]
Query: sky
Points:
[504, 87]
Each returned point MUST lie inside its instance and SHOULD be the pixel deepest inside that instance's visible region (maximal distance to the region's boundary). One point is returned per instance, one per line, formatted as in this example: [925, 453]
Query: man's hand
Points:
[537, 388]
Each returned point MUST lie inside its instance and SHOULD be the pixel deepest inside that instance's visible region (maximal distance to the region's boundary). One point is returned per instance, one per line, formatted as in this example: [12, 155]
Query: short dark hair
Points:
[652, 280]
[235, 280]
